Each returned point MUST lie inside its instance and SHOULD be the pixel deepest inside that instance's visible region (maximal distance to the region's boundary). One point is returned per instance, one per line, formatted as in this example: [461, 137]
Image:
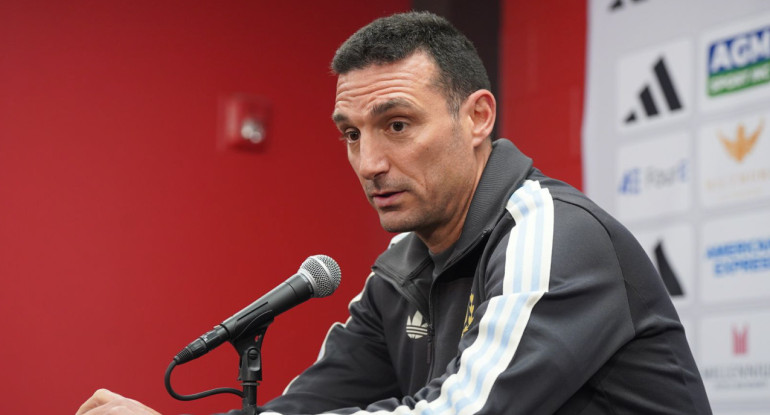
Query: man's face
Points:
[414, 160]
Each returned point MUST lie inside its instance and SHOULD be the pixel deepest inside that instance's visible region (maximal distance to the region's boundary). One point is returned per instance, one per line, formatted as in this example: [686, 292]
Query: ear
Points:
[481, 110]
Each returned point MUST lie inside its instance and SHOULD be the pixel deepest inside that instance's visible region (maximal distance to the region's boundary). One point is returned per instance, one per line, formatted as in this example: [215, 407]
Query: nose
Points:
[372, 157]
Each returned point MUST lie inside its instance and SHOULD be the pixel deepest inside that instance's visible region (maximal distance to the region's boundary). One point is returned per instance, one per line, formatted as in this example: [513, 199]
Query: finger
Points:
[99, 398]
[140, 408]
[125, 406]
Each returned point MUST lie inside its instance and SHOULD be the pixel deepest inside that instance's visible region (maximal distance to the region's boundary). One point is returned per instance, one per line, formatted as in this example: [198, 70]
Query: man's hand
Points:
[106, 402]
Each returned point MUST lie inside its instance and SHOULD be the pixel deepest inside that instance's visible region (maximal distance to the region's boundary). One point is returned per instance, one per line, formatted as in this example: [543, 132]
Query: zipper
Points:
[431, 330]
[401, 286]
[431, 314]
[430, 347]
[404, 286]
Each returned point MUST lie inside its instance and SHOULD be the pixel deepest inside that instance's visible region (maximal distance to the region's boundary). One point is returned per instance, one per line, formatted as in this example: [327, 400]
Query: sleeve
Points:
[552, 310]
[353, 368]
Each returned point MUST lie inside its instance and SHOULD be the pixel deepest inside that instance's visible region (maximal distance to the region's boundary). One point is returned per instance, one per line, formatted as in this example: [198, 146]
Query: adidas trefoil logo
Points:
[742, 145]
[416, 327]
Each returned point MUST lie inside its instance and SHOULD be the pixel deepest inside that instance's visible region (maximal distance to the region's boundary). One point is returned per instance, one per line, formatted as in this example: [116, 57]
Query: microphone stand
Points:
[249, 348]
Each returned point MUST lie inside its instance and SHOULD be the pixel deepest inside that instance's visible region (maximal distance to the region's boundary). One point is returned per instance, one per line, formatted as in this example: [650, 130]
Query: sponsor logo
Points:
[738, 376]
[739, 62]
[416, 327]
[734, 161]
[618, 4]
[672, 250]
[740, 341]
[666, 85]
[734, 257]
[631, 182]
[739, 179]
[743, 144]
[469, 315]
[740, 257]
[653, 177]
[654, 85]
[734, 362]
[636, 180]
[667, 272]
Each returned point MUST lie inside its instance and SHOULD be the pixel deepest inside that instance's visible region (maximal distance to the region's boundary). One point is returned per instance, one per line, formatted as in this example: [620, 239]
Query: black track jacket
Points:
[546, 305]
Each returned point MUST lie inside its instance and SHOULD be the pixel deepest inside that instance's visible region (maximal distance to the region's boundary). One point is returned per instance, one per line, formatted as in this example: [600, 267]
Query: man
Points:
[508, 292]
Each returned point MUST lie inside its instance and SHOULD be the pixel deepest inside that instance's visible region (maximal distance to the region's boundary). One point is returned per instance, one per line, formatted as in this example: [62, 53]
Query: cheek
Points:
[353, 161]
[446, 174]
[429, 170]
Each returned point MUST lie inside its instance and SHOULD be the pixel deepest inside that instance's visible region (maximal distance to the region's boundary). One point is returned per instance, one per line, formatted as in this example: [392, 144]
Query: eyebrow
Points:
[338, 118]
[376, 110]
[386, 106]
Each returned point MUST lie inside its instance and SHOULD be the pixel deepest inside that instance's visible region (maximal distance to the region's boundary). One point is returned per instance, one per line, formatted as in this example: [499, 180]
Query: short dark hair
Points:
[390, 39]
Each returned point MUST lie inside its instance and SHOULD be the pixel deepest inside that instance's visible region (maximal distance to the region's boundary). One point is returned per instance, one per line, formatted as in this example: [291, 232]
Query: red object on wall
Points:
[125, 233]
[244, 121]
[542, 77]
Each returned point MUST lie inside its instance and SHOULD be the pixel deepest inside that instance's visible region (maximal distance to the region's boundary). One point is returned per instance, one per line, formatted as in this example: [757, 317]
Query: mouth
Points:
[387, 199]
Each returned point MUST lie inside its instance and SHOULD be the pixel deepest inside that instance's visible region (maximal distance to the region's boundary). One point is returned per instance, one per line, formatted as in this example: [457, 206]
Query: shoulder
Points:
[551, 224]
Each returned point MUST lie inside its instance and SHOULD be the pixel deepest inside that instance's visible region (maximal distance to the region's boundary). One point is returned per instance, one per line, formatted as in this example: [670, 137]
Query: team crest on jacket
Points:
[416, 326]
[469, 315]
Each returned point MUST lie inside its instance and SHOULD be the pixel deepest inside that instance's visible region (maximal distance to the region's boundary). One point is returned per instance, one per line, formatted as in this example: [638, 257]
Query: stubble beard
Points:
[418, 222]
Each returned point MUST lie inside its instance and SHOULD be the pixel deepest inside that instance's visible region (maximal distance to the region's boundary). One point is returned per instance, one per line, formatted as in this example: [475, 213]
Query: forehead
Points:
[410, 80]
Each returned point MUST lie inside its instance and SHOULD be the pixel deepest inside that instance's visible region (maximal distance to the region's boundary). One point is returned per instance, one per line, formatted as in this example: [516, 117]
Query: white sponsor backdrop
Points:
[675, 243]
[676, 144]
[646, 177]
[736, 181]
[735, 258]
[736, 365]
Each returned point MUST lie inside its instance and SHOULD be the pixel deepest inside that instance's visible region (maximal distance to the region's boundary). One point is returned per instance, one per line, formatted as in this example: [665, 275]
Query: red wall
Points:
[542, 59]
[124, 231]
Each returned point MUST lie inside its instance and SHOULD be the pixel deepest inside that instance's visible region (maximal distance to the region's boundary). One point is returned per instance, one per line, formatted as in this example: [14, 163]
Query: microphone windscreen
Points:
[324, 274]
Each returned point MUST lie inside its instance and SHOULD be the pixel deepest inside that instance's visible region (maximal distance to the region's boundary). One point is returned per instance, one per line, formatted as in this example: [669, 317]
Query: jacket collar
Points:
[505, 171]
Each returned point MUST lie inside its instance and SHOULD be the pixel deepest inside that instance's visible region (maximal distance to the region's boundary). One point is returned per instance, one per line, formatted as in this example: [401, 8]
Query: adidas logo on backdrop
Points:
[655, 85]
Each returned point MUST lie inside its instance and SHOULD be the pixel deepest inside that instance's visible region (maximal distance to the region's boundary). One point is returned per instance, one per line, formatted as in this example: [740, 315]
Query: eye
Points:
[398, 126]
[351, 135]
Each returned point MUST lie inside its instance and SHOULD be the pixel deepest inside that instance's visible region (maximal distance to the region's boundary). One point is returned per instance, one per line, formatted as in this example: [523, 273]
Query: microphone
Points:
[318, 276]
